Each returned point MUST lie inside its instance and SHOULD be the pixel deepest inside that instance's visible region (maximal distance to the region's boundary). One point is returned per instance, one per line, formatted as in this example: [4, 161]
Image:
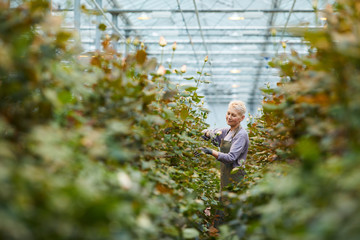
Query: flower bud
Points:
[273, 32]
[174, 46]
[136, 42]
[206, 59]
[162, 42]
[161, 70]
[124, 180]
[183, 69]
[283, 44]
[142, 45]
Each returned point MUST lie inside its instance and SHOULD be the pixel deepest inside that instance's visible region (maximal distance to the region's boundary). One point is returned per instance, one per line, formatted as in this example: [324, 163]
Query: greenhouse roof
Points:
[239, 37]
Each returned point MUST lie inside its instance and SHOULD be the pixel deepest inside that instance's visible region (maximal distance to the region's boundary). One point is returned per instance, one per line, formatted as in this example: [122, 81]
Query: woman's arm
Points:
[215, 134]
[236, 149]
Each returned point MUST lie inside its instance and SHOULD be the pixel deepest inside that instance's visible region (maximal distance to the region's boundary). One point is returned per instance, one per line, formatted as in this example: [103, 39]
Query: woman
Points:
[234, 144]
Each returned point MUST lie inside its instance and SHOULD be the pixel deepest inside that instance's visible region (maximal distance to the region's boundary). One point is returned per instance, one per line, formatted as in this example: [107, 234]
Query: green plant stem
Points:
[202, 69]
[172, 57]
[162, 54]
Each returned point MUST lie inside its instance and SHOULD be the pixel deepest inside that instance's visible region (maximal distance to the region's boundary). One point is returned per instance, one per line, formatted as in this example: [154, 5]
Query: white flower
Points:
[183, 69]
[218, 133]
[162, 41]
[247, 119]
[174, 46]
[161, 70]
[144, 221]
[259, 109]
[124, 180]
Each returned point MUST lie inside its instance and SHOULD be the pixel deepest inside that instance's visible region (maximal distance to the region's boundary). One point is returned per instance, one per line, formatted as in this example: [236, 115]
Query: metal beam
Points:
[217, 27]
[77, 16]
[230, 77]
[227, 99]
[264, 49]
[117, 11]
[115, 22]
[211, 10]
[229, 41]
[97, 32]
[240, 53]
[196, 28]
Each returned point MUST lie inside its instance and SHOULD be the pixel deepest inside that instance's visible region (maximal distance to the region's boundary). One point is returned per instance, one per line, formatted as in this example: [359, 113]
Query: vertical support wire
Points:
[188, 33]
[77, 15]
[285, 26]
[251, 99]
[107, 19]
[202, 34]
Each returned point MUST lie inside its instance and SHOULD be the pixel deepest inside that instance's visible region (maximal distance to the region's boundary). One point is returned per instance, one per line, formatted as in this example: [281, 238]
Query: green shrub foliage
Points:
[98, 149]
[311, 123]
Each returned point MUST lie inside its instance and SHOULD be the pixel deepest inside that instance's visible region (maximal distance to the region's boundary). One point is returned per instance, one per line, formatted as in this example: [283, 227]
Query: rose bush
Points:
[102, 149]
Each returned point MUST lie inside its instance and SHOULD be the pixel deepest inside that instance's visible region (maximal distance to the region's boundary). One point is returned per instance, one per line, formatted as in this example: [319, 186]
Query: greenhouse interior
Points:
[180, 119]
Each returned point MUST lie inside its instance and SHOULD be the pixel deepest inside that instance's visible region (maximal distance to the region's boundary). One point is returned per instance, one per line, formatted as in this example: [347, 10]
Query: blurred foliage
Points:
[100, 147]
[310, 131]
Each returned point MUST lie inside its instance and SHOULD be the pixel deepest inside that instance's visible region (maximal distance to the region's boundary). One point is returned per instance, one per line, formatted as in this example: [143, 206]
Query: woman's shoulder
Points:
[224, 129]
[242, 133]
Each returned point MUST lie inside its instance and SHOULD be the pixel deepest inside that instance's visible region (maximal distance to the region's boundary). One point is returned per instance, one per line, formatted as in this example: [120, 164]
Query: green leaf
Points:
[190, 233]
[184, 113]
[191, 89]
[172, 104]
[140, 57]
[235, 170]
[204, 109]
[196, 99]
[185, 94]
[102, 27]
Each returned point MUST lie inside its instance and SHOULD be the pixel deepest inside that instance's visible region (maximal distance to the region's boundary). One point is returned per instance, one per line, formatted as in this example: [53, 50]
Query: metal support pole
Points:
[252, 98]
[97, 32]
[115, 22]
[127, 35]
[77, 15]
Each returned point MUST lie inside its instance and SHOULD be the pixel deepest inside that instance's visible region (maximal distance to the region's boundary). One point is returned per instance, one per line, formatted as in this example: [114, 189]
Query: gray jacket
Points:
[239, 146]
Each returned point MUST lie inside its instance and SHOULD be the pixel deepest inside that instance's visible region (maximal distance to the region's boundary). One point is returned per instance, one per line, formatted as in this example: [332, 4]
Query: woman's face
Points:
[233, 117]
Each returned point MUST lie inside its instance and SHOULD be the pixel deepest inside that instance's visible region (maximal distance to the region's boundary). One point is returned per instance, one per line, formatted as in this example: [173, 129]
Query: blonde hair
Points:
[238, 106]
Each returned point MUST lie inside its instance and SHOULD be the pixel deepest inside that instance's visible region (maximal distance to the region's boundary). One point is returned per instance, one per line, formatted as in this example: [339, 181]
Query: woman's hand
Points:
[210, 152]
[206, 136]
[207, 150]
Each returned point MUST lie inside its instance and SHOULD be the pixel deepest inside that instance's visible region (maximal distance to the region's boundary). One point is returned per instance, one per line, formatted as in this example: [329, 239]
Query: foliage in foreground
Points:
[95, 151]
[316, 196]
